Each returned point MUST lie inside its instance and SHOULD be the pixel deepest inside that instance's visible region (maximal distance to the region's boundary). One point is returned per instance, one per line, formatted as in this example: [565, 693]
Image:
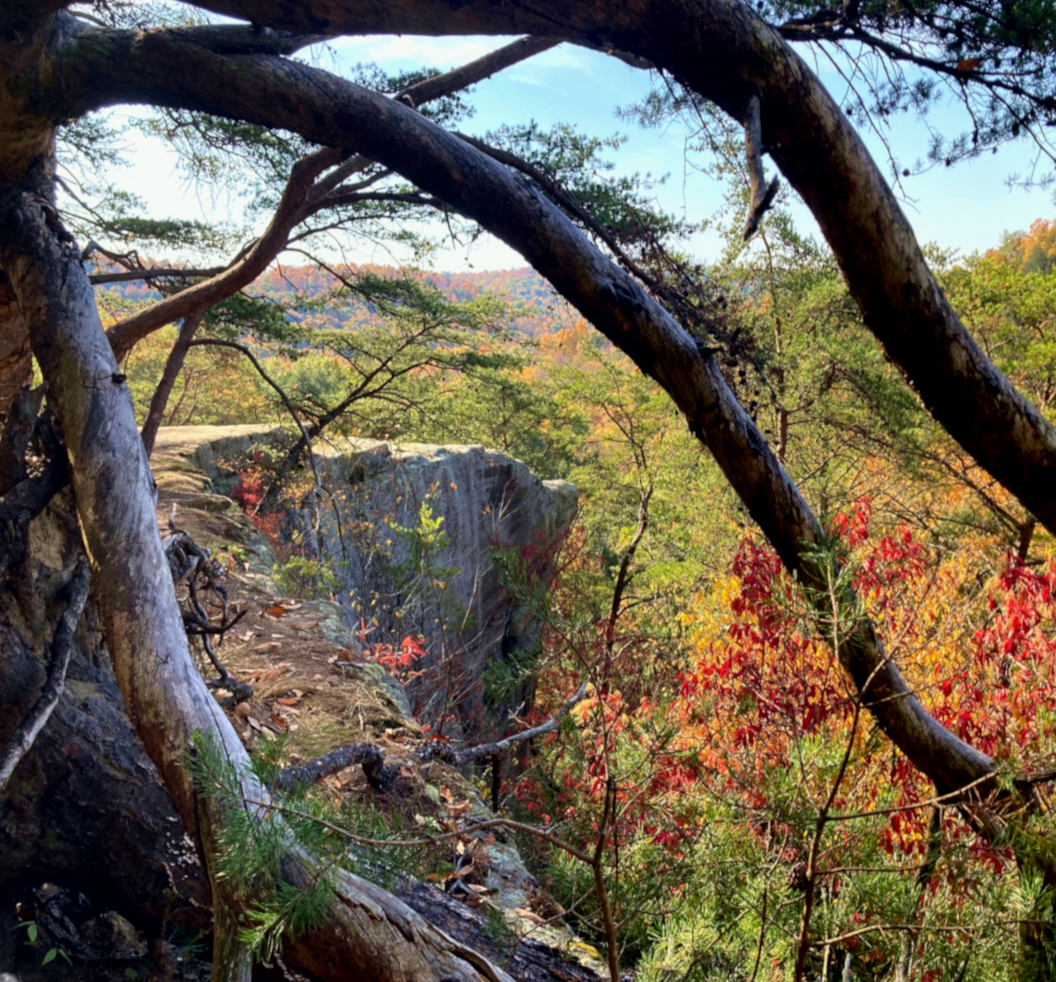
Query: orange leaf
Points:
[287, 702]
[969, 64]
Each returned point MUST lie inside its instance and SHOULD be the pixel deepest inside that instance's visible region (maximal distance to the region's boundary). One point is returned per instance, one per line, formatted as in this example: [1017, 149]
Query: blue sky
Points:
[966, 207]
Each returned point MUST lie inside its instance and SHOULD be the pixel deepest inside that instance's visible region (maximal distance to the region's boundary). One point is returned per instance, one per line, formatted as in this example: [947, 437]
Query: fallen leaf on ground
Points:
[267, 646]
[275, 612]
[585, 948]
[305, 626]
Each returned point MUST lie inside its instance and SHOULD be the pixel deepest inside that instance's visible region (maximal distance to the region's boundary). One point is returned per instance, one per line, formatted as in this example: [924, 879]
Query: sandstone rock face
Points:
[426, 542]
[424, 527]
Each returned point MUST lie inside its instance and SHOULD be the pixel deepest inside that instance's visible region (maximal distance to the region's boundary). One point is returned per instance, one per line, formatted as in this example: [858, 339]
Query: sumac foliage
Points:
[746, 773]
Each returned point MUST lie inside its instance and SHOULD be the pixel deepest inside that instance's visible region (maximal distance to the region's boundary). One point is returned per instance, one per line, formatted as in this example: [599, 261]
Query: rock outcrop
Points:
[435, 543]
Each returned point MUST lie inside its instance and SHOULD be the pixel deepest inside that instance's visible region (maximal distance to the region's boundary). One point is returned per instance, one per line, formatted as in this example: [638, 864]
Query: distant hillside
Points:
[544, 310]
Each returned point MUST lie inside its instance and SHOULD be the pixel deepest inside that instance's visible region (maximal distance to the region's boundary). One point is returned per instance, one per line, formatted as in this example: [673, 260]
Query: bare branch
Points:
[501, 746]
[762, 194]
[475, 71]
[153, 273]
[61, 648]
[379, 775]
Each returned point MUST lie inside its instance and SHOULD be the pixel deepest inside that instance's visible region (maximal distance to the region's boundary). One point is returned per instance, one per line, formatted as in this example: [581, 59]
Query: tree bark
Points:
[20, 742]
[728, 54]
[369, 931]
[16, 365]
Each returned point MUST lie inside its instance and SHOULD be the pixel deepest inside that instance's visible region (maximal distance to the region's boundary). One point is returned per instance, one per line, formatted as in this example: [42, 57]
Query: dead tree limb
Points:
[189, 561]
[761, 194]
[61, 646]
[507, 743]
[173, 366]
[379, 775]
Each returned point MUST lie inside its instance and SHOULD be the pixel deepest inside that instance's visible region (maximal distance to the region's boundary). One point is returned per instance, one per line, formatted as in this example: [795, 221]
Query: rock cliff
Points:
[436, 543]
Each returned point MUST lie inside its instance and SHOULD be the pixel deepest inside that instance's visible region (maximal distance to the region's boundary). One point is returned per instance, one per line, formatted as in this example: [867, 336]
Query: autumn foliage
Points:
[755, 746]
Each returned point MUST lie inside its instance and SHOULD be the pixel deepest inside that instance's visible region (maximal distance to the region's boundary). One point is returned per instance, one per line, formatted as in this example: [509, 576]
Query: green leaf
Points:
[50, 956]
[32, 932]
[131, 973]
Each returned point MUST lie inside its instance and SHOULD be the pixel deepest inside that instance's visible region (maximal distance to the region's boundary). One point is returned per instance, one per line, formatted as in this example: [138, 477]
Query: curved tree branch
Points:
[723, 50]
[324, 108]
[369, 933]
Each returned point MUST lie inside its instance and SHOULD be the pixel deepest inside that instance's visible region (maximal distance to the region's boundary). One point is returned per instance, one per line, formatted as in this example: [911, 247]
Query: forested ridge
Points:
[776, 701]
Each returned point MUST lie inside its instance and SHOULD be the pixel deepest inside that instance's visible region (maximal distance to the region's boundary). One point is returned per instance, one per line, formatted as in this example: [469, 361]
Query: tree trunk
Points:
[369, 930]
[86, 809]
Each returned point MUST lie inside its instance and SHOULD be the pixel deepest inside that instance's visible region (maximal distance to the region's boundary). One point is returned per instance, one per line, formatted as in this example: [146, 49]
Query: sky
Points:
[966, 207]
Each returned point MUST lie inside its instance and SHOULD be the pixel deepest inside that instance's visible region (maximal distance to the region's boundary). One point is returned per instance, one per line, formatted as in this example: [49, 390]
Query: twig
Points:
[599, 880]
[61, 647]
[491, 749]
